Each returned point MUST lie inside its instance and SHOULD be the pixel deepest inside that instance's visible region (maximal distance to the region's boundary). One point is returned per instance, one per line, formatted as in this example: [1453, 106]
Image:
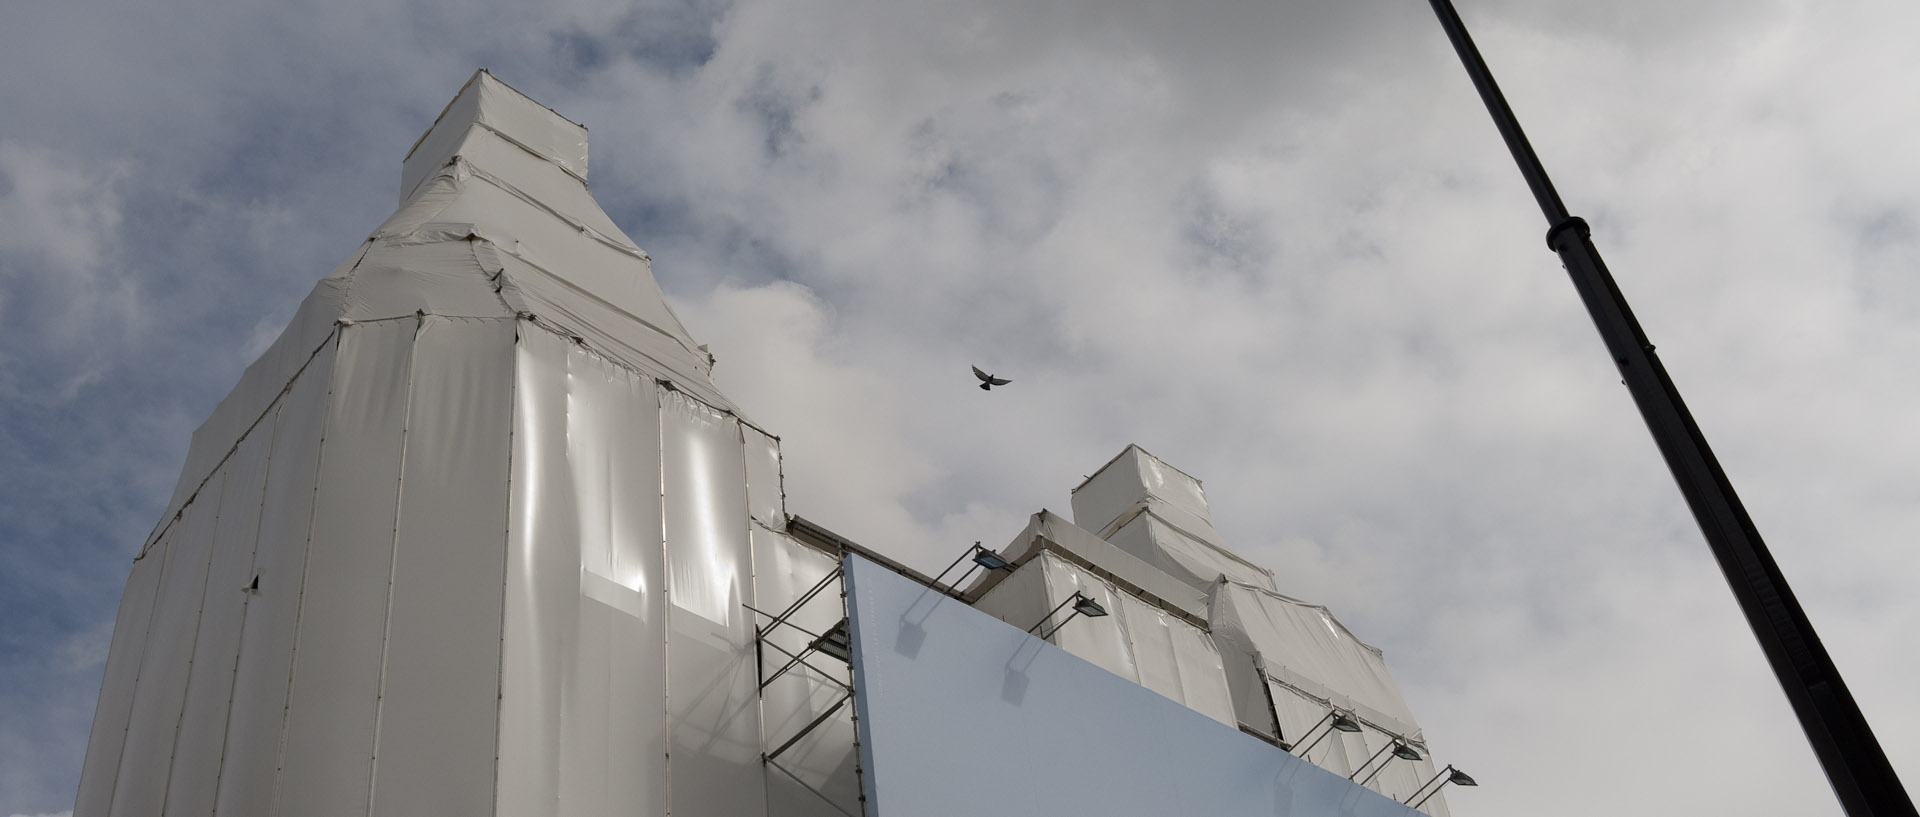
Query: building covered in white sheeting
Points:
[477, 535]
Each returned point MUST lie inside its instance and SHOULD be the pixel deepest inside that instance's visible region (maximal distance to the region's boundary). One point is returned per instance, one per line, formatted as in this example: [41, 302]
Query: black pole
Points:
[1857, 768]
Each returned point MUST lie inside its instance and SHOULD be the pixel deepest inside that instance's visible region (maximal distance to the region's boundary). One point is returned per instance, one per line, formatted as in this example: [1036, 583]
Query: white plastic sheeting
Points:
[766, 494]
[1184, 557]
[961, 714]
[500, 224]
[487, 104]
[1304, 646]
[265, 660]
[160, 691]
[327, 754]
[1046, 530]
[1159, 514]
[439, 675]
[466, 513]
[1310, 663]
[203, 719]
[1129, 479]
[713, 701]
[110, 717]
[583, 723]
[1137, 641]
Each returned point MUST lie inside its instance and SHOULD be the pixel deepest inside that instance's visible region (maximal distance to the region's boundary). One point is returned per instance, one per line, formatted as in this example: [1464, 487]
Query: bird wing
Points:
[998, 381]
[984, 377]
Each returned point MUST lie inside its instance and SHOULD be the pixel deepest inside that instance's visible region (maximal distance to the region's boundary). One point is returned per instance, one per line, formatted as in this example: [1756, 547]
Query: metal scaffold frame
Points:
[835, 643]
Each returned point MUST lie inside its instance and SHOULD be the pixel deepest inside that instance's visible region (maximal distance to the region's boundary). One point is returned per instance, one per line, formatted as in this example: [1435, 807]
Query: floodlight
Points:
[989, 559]
[1083, 605]
[1340, 720]
[1398, 746]
[1088, 607]
[1450, 775]
[982, 557]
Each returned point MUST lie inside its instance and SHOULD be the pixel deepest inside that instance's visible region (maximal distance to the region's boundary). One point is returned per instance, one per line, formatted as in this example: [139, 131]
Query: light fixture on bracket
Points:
[1083, 605]
[1337, 721]
[1399, 748]
[1451, 775]
[982, 557]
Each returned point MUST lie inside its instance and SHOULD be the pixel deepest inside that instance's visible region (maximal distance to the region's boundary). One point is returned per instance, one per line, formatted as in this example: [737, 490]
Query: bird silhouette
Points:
[987, 381]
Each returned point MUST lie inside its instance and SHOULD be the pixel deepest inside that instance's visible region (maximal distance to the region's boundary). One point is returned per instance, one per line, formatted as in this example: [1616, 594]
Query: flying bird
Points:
[987, 381]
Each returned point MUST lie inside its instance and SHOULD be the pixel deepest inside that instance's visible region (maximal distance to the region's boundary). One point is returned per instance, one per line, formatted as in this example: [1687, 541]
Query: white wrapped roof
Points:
[1304, 646]
[496, 222]
[1159, 513]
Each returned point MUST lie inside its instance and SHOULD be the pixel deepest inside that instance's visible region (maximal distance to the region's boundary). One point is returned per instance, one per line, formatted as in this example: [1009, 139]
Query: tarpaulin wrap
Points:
[1048, 531]
[1304, 645]
[439, 678]
[1159, 514]
[391, 464]
[1310, 663]
[1136, 640]
[257, 712]
[160, 690]
[1171, 549]
[713, 701]
[110, 717]
[766, 493]
[499, 222]
[201, 735]
[489, 104]
[583, 724]
[1130, 478]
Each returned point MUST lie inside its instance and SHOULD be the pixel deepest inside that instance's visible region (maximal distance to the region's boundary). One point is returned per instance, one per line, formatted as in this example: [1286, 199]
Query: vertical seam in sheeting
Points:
[666, 587]
[145, 636]
[246, 602]
[306, 550]
[753, 586]
[603, 368]
[393, 562]
[271, 404]
[206, 573]
[506, 564]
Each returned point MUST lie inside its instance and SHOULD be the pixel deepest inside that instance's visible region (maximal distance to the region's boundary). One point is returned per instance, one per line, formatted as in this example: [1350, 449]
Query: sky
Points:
[1277, 244]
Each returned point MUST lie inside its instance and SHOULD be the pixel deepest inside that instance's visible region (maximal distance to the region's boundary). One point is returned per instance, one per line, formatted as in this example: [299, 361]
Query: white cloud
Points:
[1278, 245]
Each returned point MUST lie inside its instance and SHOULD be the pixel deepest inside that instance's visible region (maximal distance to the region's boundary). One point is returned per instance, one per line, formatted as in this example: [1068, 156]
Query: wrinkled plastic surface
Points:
[1133, 477]
[203, 720]
[327, 754]
[488, 103]
[1304, 646]
[713, 701]
[1159, 514]
[110, 718]
[1049, 531]
[1135, 640]
[258, 709]
[1187, 558]
[439, 678]
[765, 493]
[446, 478]
[160, 692]
[1041, 725]
[1313, 664]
